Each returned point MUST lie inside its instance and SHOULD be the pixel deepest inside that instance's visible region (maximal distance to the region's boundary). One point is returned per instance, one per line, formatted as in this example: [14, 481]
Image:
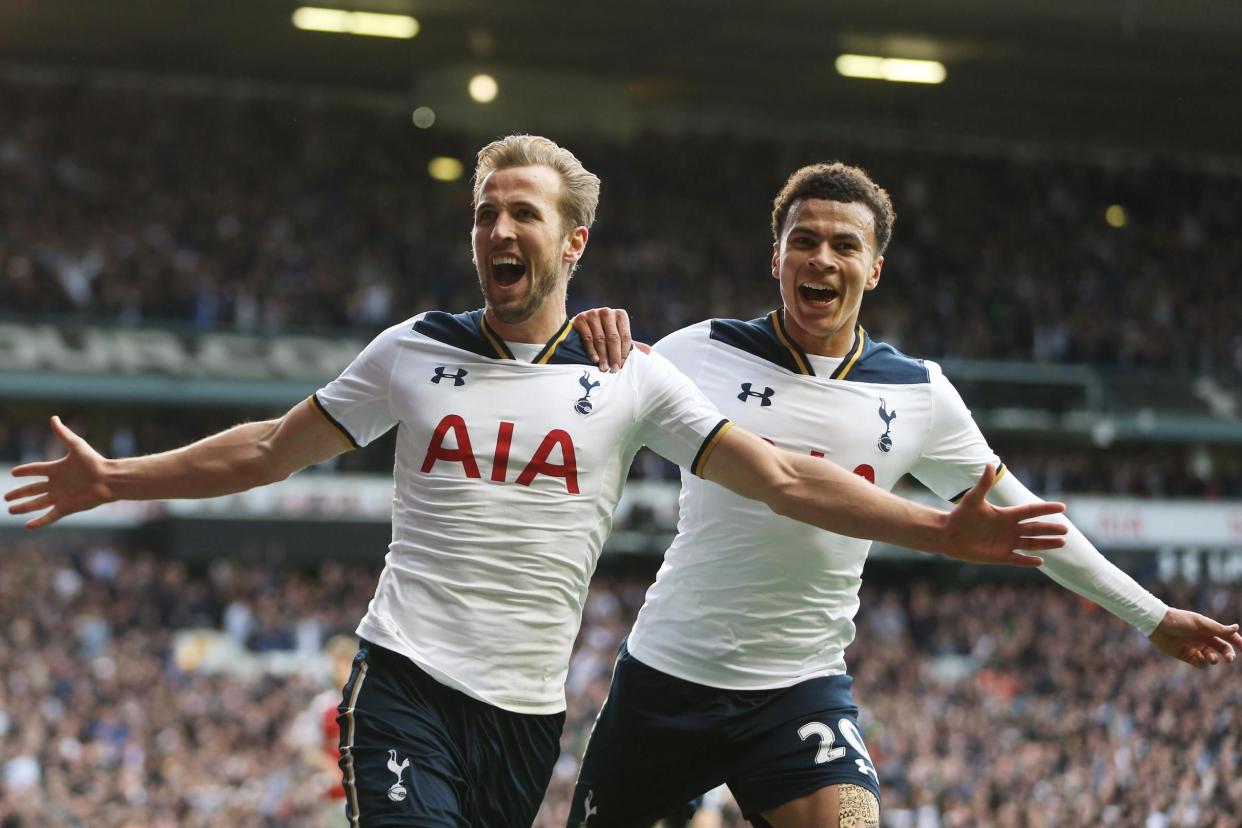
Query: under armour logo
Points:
[765, 397]
[397, 792]
[458, 378]
[886, 442]
[583, 405]
[590, 811]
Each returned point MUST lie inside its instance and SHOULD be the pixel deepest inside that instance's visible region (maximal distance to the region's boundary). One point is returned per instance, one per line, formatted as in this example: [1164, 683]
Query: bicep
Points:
[304, 436]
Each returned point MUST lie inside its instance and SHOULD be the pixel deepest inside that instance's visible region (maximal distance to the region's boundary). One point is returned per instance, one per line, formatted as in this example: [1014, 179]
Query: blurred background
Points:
[207, 209]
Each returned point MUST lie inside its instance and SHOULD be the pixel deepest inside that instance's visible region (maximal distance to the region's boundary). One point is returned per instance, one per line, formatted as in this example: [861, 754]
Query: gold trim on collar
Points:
[860, 339]
[799, 356]
[553, 343]
[502, 350]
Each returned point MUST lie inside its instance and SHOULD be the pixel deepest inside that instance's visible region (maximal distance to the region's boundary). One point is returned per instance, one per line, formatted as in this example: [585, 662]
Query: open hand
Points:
[74, 483]
[1196, 639]
[979, 532]
[605, 335]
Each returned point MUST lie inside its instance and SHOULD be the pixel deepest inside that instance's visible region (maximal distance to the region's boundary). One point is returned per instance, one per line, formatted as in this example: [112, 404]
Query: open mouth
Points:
[507, 270]
[817, 295]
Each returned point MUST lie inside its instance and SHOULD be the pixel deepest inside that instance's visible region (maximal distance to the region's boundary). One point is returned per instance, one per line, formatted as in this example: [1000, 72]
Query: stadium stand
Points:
[135, 204]
[140, 691]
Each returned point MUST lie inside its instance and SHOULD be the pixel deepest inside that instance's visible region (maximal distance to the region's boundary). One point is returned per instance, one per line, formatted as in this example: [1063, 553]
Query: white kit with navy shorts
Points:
[507, 474]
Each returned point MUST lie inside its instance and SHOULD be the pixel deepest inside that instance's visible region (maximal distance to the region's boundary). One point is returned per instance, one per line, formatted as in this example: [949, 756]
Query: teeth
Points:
[506, 260]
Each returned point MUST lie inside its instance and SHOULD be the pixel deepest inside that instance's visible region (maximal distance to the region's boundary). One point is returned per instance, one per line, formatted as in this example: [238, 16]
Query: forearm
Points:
[821, 493]
[231, 461]
[1080, 568]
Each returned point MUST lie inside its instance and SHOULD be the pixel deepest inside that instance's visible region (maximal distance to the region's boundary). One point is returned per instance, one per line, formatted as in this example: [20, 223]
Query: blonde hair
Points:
[580, 187]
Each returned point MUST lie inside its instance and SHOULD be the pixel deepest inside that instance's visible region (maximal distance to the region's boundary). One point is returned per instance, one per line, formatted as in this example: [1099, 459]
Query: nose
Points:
[504, 226]
[821, 258]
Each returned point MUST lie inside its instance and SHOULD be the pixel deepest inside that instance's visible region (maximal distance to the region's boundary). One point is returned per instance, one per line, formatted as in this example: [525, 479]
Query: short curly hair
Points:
[836, 182]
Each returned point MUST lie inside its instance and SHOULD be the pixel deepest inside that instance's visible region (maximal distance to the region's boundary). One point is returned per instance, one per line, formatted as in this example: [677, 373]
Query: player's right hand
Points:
[605, 335]
[74, 483]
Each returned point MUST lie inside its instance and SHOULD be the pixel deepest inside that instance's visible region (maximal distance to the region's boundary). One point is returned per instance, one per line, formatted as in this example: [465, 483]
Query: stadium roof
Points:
[1146, 74]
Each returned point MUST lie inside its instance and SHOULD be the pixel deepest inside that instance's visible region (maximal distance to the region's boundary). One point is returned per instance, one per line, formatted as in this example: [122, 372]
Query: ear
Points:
[776, 260]
[575, 245]
[874, 278]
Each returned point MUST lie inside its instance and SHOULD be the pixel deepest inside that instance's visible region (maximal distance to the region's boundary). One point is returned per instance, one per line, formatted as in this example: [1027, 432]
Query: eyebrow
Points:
[521, 203]
[841, 236]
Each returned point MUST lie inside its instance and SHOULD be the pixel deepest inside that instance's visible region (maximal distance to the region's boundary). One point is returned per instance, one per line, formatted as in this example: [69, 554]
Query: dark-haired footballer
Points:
[735, 669]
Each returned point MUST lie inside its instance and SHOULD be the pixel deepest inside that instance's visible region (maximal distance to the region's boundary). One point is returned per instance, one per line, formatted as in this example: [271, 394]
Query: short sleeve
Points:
[955, 452]
[357, 402]
[676, 419]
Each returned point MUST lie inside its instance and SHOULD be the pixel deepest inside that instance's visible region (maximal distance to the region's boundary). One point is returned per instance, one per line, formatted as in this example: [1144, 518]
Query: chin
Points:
[512, 314]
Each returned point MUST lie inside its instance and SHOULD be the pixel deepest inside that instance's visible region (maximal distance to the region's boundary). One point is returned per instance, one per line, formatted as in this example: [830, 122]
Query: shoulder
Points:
[759, 337]
[882, 364]
[934, 372]
[665, 364]
[461, 330]
[389, 341]
[685, 337]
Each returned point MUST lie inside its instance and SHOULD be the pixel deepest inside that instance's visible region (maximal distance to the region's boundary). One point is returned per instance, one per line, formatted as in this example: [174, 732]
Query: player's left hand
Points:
[605, 334]
[979, 532]
[1196, 639]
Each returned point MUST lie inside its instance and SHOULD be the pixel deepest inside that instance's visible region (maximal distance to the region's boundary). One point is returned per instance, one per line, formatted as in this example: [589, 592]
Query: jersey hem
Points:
[377, 635]
[677, 670]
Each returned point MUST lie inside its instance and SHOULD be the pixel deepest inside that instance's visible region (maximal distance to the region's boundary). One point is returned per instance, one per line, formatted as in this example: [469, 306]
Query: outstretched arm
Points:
[1079, 567]
[819, 492]
[240, 458]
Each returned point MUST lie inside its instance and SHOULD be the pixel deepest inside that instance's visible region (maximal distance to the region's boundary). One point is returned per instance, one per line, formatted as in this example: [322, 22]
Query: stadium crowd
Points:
[1000, 704]
[125, 203]
[990, 705]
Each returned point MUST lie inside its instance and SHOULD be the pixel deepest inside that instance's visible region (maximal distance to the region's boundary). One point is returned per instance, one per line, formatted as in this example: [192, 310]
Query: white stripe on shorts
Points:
[347, 753]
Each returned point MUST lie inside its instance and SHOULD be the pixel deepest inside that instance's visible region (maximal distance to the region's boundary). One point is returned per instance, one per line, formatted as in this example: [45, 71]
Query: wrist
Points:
[111, 480]
[1166, 617]
[930, 530]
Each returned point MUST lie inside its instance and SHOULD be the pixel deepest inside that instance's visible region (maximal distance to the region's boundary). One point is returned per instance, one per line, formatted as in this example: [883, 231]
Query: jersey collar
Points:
[799, 356]
[564, 346]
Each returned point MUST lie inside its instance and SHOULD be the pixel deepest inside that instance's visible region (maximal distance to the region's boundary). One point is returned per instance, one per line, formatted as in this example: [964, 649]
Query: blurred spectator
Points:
[1002, 705]
[219, 211]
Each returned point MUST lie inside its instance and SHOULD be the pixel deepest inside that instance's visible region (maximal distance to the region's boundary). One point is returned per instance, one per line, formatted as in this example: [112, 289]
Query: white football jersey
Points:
[747, 599]
[507, 473]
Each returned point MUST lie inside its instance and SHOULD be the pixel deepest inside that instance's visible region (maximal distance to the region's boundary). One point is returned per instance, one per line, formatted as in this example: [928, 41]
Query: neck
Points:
[835, 344]
[536, 329]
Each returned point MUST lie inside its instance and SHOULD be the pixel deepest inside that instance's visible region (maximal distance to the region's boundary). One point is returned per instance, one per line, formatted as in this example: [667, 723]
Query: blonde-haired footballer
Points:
[511, 453]
[735, 669]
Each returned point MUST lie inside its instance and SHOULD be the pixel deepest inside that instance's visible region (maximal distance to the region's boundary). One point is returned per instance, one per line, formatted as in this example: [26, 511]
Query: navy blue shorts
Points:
[659, 742]
[417, 753]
